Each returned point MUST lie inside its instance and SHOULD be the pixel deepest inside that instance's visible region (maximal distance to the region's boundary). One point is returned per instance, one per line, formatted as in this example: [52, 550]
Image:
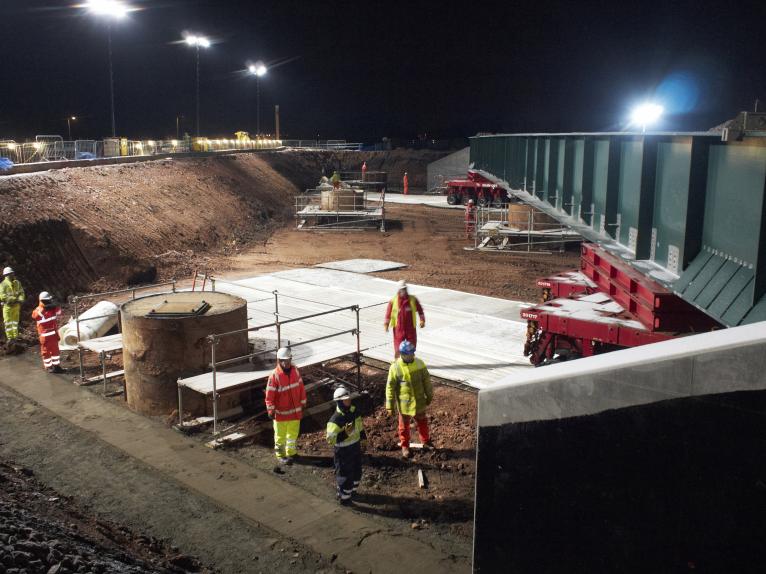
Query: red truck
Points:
[605, 306]
[476, 187]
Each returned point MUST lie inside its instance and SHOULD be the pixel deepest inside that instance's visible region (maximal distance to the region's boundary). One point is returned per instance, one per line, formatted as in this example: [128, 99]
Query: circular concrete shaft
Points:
[157, 351]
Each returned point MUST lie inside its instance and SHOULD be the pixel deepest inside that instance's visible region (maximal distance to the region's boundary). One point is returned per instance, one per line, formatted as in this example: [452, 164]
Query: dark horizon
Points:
[366, 71]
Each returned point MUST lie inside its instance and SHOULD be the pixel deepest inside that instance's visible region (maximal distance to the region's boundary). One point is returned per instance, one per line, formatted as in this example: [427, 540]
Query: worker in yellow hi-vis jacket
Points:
[11, 297]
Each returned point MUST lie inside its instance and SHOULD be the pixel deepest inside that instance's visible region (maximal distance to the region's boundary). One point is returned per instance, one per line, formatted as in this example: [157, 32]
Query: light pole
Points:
[69, 121]
[258, 69]
[111, 10]
[197, 42]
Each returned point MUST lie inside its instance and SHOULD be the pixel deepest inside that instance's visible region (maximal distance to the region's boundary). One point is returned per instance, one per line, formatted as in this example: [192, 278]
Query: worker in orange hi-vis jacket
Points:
[364, 171]
[406, 184]
[285, 401]
[470, 219]
[46, 314]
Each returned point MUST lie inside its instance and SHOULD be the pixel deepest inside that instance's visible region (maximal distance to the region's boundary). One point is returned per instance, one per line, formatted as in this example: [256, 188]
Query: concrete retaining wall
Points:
[451, 166]
[644, 460]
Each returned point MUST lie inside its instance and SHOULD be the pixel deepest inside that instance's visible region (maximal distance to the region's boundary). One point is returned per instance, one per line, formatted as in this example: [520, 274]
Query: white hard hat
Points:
[7, 271]
[341, 394]
[45, 296]
[284, 353]
[401, 285]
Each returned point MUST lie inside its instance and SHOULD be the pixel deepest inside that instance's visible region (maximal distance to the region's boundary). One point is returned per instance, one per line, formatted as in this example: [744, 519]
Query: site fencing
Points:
[323, 144]
[49, 148]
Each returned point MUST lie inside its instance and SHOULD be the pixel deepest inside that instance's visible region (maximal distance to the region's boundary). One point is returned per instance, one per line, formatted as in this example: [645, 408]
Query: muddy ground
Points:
[97, 228]
[43, 531]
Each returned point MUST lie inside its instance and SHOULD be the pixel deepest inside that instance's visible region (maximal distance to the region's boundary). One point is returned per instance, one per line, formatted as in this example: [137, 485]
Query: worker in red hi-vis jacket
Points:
[406, 184]
[285, 401]
[364, 171]
[402, 314]
[46, 314]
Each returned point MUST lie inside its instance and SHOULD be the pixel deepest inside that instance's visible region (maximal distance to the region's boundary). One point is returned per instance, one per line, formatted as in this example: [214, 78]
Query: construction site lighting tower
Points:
[197, 42]
[646, 114]
[111, 10]
[69, 121]
[258, 70]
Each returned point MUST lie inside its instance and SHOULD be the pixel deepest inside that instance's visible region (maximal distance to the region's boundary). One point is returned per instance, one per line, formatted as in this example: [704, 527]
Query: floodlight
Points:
[109, 8]
[646, 114]
[258, 69]
[197, 41]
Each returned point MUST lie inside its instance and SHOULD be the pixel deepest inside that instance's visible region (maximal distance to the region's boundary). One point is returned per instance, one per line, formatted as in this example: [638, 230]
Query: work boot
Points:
[429, 445]
[406, 452]
[57, 369]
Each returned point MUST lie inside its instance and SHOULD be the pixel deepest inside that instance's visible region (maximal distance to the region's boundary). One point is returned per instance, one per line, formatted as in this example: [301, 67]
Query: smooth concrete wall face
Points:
[645, 460]
[449, 167]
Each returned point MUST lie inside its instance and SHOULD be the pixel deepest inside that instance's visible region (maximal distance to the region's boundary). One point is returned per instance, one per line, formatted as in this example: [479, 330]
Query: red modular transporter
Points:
[607, 305]
[476, 187]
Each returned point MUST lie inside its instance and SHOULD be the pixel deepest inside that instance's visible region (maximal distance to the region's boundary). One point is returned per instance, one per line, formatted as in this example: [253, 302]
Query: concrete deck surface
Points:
[470, 339]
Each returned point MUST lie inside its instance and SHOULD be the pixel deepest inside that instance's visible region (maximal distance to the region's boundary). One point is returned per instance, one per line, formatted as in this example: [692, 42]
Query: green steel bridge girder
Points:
[688, 209]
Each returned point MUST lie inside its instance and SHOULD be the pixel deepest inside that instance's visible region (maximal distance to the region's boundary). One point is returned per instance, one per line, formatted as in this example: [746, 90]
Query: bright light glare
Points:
[646, 114]
[258, 69]
[197, 41]
[110, 8]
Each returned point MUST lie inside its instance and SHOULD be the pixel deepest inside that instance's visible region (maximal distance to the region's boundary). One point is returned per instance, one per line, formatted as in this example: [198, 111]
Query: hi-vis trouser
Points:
[49, 350]
[286, 438]
[11, 314]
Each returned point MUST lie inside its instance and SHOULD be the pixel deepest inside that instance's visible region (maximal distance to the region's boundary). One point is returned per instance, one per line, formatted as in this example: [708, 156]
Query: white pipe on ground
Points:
[90, 328]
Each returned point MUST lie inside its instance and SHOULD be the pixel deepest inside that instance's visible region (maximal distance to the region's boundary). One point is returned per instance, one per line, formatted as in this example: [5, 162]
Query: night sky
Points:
[367, 69]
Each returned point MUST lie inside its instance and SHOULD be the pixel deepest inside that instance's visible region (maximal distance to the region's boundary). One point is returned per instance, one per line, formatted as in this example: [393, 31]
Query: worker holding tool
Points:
[409, 390]
[11, 297]
[46, 314]
[406, 184]
[470, 219]
[345, 432]
[285, 401]
[402, 314]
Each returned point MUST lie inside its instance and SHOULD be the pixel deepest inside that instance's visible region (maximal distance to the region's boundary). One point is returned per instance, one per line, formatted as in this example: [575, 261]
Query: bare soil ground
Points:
[97, 228]
[43, 531]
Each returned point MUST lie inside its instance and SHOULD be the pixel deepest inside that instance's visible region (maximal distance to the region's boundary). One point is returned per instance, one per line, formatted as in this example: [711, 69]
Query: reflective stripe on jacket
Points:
[285, 394]
[415, 309]
[11, 292]
[345, 427]
[47, 320]
[408, 387]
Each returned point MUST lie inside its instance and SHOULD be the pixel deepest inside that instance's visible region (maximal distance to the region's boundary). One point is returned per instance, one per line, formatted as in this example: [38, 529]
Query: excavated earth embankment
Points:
[72, 230]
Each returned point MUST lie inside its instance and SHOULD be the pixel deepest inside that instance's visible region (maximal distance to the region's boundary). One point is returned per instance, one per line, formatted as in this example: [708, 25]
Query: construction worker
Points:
[406, 184]
[11, 297]
[46, 314]
[470, 218]
[335, 179]
[409, 390]
[285, 401]
[364, 171]
[345, 432]
[402, 314]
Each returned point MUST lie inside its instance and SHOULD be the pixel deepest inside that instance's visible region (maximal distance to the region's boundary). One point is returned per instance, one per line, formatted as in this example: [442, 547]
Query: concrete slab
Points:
[362, 265]
[471, 339]
[410, 199]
